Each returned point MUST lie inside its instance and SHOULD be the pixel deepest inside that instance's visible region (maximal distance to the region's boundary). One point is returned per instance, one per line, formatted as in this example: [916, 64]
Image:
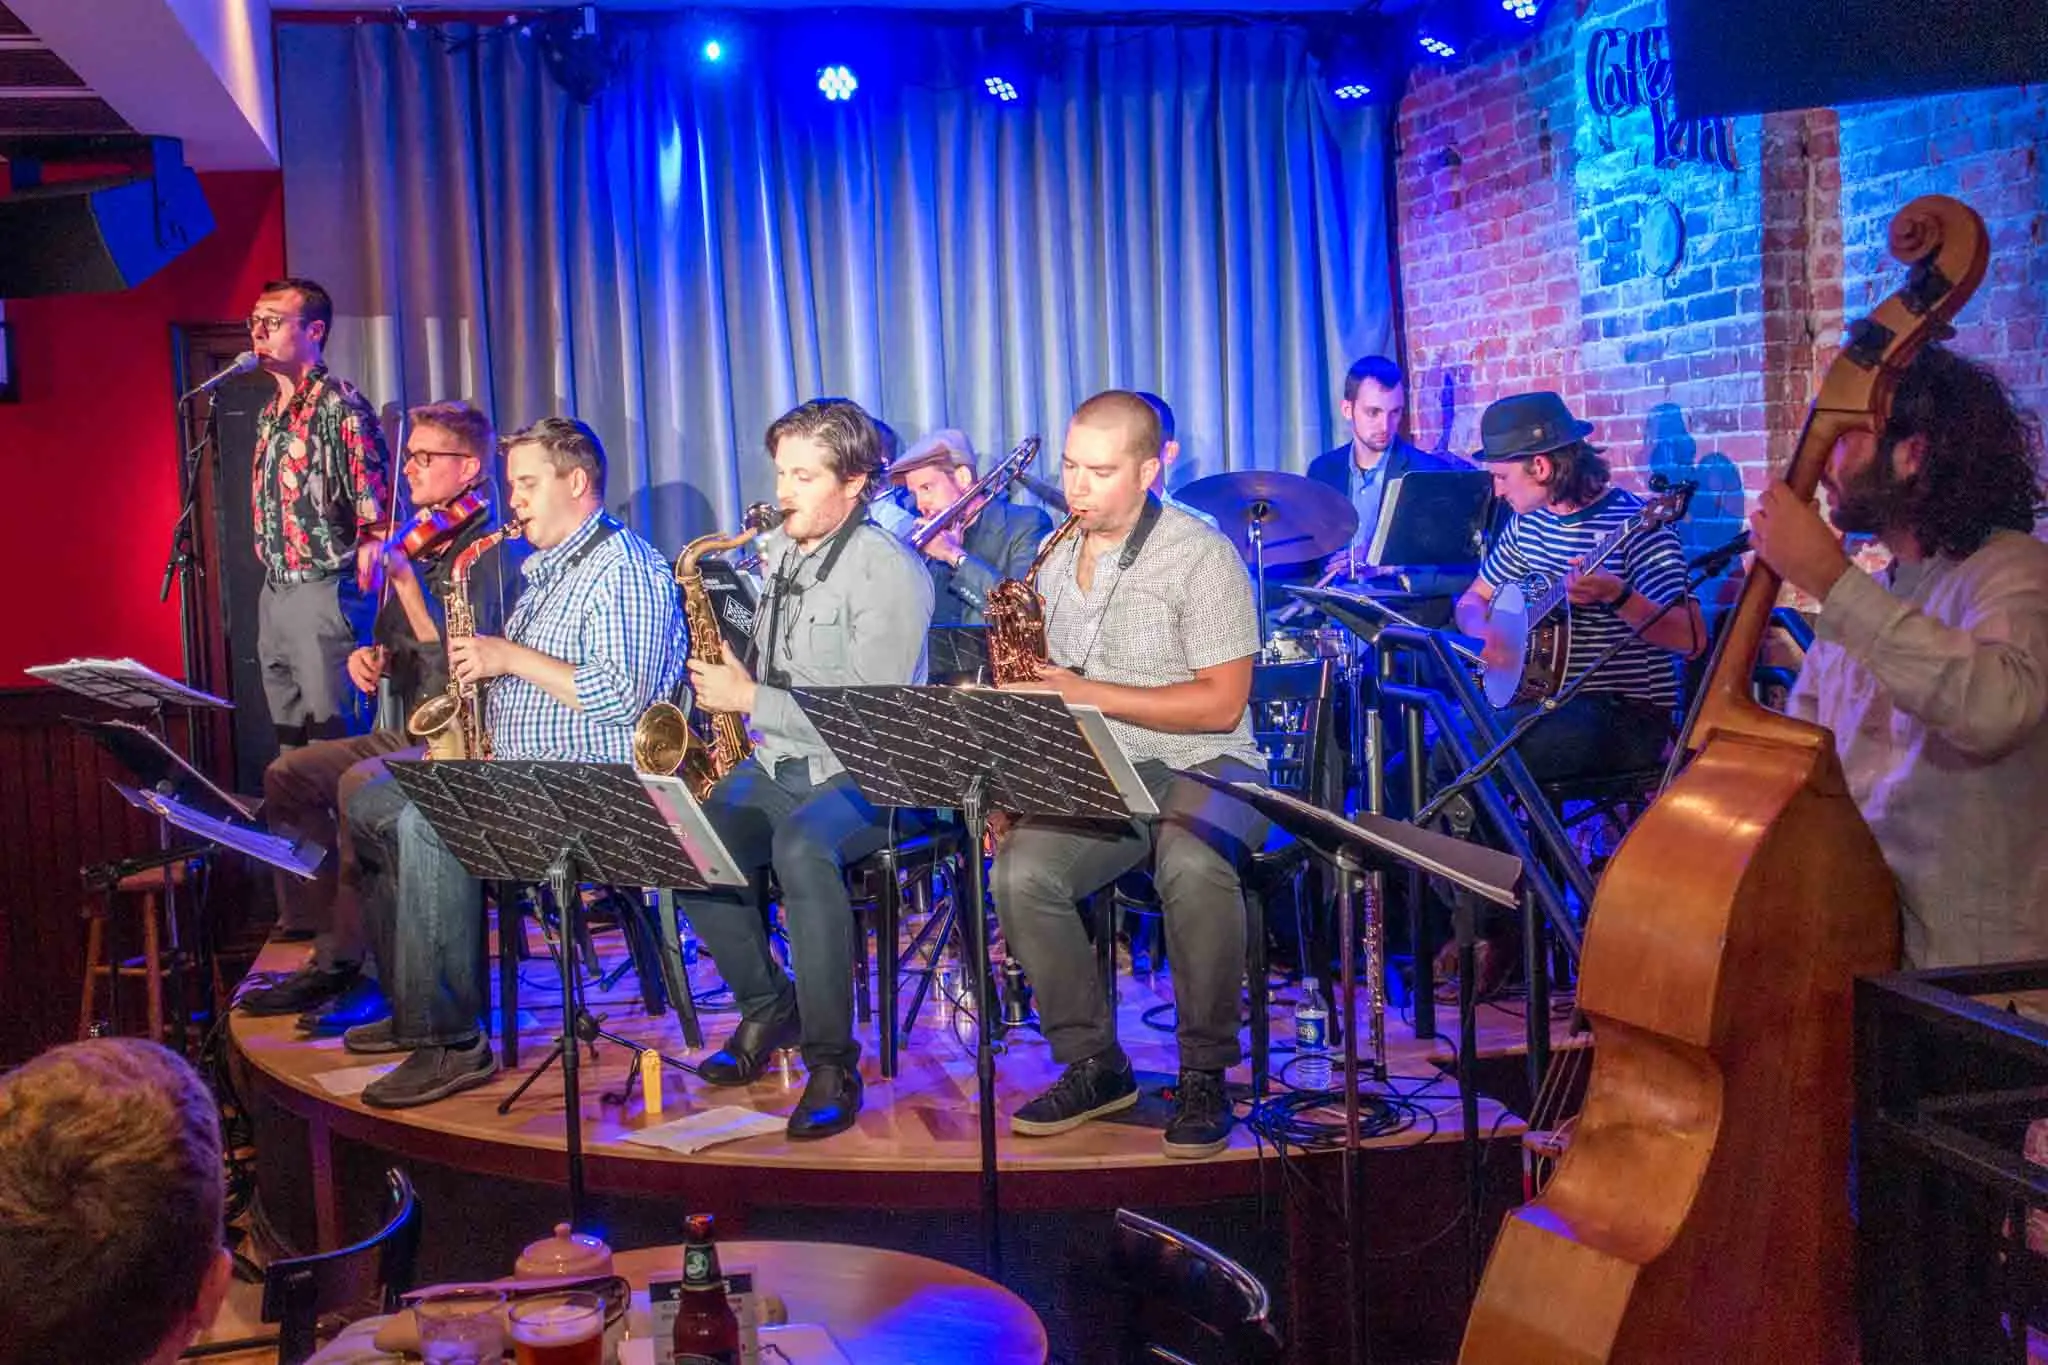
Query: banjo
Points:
[1537, 620]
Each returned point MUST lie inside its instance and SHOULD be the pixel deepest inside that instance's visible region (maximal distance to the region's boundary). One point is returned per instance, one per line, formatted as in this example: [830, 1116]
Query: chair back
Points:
[372, 1274]
[1186, 1301]
[1292, 721]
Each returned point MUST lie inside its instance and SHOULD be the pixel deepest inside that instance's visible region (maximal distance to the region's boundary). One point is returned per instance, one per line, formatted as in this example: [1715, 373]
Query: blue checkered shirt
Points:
[614, 615]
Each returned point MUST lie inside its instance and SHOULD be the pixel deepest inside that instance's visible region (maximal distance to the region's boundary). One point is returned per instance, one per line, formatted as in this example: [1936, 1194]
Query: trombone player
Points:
[596, 638]
[985, 544]
[448, 448]
[845, 603]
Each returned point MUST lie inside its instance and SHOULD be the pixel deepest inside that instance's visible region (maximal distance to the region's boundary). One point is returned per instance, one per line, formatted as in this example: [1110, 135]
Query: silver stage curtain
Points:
[1183, 209]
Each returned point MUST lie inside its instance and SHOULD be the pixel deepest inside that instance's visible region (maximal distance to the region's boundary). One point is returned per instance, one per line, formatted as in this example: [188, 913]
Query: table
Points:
[882, 1307]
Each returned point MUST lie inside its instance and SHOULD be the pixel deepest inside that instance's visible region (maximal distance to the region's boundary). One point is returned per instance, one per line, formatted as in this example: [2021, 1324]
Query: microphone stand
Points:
[1702, 569]
[181, 556]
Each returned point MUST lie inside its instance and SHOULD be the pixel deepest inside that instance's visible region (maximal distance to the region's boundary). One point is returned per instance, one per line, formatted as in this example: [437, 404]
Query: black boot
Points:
[749, 1048]
[830, 1104]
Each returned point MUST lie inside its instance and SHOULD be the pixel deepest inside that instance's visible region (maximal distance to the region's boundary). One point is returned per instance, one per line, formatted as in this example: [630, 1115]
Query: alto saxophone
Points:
[664, 741]
[452, 724]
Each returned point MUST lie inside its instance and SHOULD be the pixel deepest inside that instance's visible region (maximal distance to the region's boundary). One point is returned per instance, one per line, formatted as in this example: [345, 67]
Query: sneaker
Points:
[433, 1073]
[1201, 1117]
[362, 1003]
[373, 1039]
[307, 988]
[1092, 1087]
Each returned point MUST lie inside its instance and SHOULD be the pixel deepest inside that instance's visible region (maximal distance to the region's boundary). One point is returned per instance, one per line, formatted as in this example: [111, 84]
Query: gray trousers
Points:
[304, 635]
[306, 791]
[1199, 842]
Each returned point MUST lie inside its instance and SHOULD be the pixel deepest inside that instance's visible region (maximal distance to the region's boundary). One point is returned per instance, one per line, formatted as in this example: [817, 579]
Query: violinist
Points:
[447, 450]
[982, 545]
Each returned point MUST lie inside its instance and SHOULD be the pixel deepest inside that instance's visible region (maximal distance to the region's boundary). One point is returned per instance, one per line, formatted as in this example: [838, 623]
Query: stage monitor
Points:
[1750, 56]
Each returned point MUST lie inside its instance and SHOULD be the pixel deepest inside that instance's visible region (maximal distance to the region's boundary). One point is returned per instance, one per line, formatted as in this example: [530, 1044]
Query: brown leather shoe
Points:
[1495, 964]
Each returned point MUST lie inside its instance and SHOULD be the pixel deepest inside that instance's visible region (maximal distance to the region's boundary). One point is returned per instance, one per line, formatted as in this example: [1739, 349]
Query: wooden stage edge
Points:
[916, 1143]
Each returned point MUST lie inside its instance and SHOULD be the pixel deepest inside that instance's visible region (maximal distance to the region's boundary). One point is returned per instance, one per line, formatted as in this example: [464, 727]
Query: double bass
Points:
[1701, 1211]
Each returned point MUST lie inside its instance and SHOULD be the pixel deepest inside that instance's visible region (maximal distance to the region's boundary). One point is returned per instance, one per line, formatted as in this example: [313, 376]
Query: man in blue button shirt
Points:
[596, 638]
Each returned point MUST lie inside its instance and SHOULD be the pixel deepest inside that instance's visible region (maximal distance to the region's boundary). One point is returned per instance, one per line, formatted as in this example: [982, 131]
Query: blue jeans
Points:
[808, 832]
[424, 918]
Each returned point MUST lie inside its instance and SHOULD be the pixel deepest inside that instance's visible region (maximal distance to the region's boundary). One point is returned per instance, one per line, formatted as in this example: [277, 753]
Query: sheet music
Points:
[171, 759]
[692, 830]
[125, 683]
[1131, 787]
[295, 856]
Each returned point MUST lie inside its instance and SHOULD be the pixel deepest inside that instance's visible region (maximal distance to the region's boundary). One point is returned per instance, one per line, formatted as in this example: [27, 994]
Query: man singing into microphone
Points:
[321, 477]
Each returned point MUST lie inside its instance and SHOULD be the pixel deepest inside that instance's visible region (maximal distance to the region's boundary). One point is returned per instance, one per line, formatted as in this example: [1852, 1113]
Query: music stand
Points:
[1432, 516]
[124, 683]
[957, 653]
[978, 749]
[1356, 849]
[564, 823]
[299, 857]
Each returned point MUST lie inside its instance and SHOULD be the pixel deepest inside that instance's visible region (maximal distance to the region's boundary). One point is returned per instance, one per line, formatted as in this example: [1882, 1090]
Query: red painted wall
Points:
[90, 453]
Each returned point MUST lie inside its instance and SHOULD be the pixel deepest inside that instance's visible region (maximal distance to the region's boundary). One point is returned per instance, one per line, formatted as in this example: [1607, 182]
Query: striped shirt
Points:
[1184, 604]
[611, 611]
[1541, 545]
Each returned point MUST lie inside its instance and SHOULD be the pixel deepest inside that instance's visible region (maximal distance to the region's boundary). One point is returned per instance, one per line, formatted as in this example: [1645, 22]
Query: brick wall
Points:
[1530, 232]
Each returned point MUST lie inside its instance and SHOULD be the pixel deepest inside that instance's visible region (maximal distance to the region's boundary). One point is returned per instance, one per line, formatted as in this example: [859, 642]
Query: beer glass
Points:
[558, 1329]
[462, 1327]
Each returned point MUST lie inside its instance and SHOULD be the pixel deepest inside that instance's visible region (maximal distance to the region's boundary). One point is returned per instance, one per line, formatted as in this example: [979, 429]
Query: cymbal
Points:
[1299, 519]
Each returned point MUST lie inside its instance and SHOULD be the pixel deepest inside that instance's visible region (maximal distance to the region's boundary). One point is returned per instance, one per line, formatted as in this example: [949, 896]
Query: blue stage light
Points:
[1353, 90]
[714, 51]
[1436, 47]
[837, 82]
[1000, 88]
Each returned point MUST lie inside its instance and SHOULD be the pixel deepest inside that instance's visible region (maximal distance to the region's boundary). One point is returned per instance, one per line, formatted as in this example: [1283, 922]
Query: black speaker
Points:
[92, 236]
[1750, 56]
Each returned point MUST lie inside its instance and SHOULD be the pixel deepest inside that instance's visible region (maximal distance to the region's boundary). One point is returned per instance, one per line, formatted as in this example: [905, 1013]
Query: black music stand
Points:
[978, 749]
[564, 823]
[1355, 849]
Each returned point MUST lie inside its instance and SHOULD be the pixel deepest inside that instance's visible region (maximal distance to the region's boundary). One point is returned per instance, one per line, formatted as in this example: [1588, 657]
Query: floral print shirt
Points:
[322, 473]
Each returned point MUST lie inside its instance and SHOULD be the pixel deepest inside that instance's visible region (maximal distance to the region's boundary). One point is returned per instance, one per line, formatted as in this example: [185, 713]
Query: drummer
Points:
[1373, 456]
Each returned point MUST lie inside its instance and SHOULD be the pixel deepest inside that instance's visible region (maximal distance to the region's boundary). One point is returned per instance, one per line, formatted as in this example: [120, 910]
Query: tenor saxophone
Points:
[664, 740]
[1016, 617]
[452, 723]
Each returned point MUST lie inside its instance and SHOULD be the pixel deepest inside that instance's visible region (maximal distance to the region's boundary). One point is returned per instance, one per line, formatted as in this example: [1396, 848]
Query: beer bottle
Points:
[707, 1332]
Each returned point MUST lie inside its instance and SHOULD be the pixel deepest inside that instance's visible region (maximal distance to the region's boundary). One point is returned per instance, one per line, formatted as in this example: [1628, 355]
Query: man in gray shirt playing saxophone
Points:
[845, 603]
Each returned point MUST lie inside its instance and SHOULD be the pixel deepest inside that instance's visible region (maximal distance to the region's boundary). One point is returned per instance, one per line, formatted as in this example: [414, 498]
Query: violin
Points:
[433, 529]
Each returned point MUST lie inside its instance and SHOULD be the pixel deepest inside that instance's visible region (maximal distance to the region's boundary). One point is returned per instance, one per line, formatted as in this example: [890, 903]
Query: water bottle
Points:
[1311, 1020]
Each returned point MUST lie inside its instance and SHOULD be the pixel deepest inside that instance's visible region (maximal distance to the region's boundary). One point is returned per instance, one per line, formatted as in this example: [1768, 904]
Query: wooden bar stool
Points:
[146, 887]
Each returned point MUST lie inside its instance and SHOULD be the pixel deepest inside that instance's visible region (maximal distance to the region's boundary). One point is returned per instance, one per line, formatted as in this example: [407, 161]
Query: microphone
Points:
[1717, 558]
[1047, 493]
[244, 363]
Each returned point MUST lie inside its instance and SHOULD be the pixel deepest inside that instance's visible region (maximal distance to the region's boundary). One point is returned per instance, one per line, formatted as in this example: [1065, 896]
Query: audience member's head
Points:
[110, 1206]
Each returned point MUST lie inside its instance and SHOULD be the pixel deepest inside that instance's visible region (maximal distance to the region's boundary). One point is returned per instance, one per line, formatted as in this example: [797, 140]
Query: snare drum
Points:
[1300, 645]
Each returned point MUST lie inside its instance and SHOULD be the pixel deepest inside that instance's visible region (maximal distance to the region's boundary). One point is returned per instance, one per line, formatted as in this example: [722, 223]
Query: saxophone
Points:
[664, 741]
[1016, 618]
[452, 724]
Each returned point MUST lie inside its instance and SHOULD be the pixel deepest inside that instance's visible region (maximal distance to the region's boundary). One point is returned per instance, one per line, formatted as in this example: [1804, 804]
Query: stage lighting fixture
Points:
[1525, 10]
[837, 82]
[1435, 47]
[1000, 88]
[1353, 90]
[714, 51]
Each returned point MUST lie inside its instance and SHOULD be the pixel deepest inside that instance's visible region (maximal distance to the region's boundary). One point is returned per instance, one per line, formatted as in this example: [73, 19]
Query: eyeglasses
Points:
[425, 458]
[261, 323]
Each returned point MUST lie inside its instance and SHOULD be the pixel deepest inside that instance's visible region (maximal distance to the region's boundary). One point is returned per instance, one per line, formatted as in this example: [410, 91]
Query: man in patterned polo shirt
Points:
[1148, 616]
[321, 476]
[597, 636]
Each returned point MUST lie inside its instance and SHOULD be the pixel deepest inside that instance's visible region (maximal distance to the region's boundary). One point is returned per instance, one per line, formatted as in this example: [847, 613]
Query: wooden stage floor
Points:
[921, 1122]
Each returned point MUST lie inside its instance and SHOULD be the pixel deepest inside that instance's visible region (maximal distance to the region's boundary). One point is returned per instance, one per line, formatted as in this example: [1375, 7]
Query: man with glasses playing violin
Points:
[321, 478]
[447, 449]
[985, 545]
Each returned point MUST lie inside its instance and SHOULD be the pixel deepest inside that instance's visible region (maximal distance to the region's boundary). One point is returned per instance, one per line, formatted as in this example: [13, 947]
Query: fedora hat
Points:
[1525, 424]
